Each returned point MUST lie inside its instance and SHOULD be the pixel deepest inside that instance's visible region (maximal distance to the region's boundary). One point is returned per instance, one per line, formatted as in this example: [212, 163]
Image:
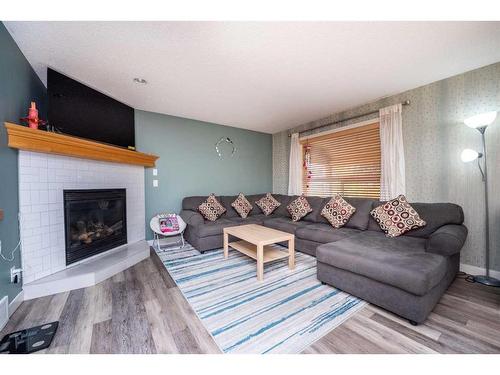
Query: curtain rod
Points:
[406, 102]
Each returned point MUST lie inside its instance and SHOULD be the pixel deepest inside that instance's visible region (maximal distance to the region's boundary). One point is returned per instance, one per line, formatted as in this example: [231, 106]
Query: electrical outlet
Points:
[15, 275]
[155, 183]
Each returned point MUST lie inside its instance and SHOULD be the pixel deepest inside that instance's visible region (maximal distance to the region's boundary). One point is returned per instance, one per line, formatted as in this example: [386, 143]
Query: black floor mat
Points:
[29, 340]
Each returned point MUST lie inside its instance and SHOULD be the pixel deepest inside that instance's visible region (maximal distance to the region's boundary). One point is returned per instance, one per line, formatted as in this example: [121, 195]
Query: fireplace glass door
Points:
[95, 221]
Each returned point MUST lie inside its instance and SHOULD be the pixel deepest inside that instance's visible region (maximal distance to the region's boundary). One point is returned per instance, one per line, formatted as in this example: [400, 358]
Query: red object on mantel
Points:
[32, 119]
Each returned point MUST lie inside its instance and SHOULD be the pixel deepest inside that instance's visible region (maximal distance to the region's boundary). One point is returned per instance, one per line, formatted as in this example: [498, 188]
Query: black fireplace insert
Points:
[95, 221]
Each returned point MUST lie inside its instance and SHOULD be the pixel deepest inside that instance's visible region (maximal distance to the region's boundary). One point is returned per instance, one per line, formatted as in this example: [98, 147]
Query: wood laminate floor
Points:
[141, 310]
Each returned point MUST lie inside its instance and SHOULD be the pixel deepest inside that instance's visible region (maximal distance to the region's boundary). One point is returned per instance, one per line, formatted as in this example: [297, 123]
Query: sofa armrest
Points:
[447, 240]
[191, 217]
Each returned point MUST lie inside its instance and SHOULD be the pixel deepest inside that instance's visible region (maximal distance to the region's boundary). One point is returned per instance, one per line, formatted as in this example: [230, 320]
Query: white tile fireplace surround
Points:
[42, 179]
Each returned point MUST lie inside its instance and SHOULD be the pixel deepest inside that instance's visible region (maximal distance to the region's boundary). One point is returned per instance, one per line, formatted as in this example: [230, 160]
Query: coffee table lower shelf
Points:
[270, 253]
[255, 241]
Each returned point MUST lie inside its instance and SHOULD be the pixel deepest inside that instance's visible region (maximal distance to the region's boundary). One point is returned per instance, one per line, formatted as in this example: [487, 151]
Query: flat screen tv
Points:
[76, 109]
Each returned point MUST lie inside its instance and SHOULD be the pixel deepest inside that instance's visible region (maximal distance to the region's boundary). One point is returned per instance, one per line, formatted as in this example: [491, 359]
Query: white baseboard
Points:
[473, 270]
[16, 302]
[7, 309]
[4, 311]
[150, 242]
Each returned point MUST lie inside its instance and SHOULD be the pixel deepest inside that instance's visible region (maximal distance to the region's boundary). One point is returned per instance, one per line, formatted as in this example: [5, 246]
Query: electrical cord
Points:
[19, 244]
[11, 258]
[466, 277]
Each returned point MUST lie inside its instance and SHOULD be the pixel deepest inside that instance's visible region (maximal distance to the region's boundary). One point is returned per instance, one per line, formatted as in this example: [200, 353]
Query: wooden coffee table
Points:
[254, 242]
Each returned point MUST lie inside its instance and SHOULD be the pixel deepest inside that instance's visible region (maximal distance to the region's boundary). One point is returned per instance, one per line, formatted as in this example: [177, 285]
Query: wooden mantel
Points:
[24, 138]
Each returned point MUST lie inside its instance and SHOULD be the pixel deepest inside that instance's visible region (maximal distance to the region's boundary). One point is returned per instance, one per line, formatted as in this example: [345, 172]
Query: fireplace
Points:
[95, 221]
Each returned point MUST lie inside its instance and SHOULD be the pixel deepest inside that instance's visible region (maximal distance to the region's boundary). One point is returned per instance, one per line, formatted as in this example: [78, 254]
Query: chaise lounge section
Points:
[406, 275]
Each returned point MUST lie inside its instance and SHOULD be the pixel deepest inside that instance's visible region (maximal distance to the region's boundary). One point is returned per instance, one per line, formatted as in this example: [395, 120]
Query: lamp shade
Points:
[469, 155]
[479, 121]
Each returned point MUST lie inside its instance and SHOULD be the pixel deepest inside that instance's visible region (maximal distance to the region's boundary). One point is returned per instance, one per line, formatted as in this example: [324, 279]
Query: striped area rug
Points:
[285, 313]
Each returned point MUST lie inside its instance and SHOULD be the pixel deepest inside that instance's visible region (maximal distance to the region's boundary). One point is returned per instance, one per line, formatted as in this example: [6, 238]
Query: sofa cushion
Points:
[258, 219]
[284, 224]
[323, 233]
[338, 211]
[212, 228]
[255, 219]
[252, 198]
[361, 217]
[211, 208]
[447, 240]
[400, 262]
[267, 204]
[285, 201]
[397, 217]
[435, 215]
[192, 203]
[317, 204]
[226, 201]
[298, 208]
[242, 205]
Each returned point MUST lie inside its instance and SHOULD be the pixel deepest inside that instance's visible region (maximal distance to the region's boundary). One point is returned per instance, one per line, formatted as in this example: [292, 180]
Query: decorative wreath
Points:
[227, 140]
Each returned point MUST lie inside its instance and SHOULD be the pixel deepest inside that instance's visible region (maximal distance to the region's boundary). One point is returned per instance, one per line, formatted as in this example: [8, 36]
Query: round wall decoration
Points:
[225, 147]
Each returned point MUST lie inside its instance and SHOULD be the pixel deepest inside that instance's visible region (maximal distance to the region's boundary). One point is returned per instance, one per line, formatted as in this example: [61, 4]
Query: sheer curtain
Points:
[392, 179]
[295, 166]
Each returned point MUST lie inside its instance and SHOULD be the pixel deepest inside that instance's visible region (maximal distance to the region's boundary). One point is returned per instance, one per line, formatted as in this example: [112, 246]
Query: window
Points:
[345, 162]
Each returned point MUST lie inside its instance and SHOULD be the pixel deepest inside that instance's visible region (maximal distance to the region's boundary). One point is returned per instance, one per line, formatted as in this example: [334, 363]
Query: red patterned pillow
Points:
[268, 204]
[211, 209]
[299, 208]
[338, 211]
[242, 205]
[397, 217]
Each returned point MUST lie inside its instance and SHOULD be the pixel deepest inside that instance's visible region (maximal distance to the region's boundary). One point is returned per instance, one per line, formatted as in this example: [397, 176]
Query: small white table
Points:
[157, 233]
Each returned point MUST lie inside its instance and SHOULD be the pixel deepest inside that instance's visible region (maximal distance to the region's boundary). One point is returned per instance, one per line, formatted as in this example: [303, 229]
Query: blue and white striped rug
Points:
[285, 313]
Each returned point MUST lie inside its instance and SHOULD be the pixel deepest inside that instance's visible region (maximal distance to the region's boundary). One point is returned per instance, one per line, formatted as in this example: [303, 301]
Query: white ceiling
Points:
[264, 76]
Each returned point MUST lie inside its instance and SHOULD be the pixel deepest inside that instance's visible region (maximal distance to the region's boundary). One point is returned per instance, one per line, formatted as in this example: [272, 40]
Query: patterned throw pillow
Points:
[299, 208]
[396, 217]
[211, 209]
[242, 206]
[338, 211]
[268, 204]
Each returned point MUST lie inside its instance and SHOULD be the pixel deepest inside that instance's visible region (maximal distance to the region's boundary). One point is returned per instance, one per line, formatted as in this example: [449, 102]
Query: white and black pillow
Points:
[268, 204]
[397, 217]
[299, 208]
[211, 208]
[338, 211]
[242, 205]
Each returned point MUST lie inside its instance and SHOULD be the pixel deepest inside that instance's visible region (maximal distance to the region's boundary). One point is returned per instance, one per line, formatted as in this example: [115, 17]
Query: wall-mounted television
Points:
[76, 109]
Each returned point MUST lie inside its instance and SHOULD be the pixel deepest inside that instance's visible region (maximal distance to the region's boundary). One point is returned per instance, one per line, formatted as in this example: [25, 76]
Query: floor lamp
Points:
[480, 123]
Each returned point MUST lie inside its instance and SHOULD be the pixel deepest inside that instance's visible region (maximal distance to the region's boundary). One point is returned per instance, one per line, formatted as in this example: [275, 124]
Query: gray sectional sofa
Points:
[406, 275]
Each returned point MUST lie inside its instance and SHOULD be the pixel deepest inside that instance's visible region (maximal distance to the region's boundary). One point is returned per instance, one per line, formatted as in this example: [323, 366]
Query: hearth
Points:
[95, 221]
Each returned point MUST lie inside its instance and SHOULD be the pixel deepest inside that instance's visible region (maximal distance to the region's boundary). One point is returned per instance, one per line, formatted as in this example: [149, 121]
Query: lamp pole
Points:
[487, 279]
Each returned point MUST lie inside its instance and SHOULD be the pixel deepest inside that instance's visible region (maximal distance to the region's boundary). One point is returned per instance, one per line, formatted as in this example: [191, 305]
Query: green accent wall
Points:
[188, 164]
[18, 86]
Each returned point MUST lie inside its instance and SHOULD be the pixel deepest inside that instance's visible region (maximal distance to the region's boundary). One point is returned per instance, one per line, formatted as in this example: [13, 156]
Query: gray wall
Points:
[18, 86]
[434, 136]
[189, 165]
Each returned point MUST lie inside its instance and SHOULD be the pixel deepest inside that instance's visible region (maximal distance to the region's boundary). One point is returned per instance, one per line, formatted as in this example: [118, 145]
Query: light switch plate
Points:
[155, 172]
[155, 183]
